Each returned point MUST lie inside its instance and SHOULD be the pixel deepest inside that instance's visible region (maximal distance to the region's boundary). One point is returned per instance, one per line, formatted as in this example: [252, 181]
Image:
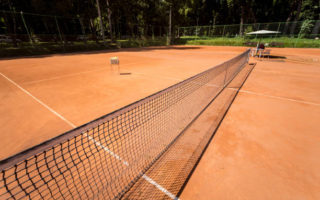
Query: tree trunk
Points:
[287, 24]
[93, 31]
[316, 28]
[109, 12]
[292, 9]
[297, 17]
[241, 21]
[83, 31]
[252, 15]
[170, 27]
[100, 21]
[14, 32]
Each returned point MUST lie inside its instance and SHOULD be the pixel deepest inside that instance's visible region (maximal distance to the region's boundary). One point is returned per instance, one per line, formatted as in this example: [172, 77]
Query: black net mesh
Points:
[135, 151]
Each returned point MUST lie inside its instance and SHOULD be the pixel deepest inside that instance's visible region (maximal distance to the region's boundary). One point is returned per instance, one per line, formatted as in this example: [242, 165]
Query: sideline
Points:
[242, 91]
[76, 74]
[151, 181]
[277, 97]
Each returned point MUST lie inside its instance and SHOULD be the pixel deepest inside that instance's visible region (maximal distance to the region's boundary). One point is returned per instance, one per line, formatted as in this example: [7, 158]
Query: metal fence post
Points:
[55, 18]
[197, 31]
[224, 27]
[258, 29]
[25, 26]
[178, 31]
[82, 28]
[83, 31]
[278, 29]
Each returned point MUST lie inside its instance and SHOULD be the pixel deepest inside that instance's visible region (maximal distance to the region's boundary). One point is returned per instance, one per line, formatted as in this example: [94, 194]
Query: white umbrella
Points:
[262, 32]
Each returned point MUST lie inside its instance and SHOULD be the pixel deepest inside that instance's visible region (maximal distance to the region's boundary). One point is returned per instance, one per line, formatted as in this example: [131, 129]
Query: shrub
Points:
[306, 28]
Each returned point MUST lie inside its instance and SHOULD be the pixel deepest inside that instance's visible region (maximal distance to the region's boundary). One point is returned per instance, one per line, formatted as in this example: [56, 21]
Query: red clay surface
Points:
[268, 145]
[81, 87]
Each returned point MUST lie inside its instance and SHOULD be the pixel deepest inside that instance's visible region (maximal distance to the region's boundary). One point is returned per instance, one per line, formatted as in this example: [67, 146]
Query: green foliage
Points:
[185, 12]
[306, 28]
[49, 48]
[238, 41]
[248, 29]
[140, 20]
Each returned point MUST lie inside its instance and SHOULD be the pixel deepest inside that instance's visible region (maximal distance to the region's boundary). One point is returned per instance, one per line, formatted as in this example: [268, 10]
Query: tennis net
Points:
[108, 157]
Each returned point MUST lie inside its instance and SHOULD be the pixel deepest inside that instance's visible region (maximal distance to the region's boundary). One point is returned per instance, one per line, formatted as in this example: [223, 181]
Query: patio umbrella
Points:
[262, 32]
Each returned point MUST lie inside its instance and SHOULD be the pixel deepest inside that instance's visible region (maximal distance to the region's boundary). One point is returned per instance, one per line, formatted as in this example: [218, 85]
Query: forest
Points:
[184, 12]
[74, 20]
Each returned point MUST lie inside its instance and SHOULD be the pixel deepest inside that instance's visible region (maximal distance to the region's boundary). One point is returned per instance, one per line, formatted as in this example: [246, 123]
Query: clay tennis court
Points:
[268, 137]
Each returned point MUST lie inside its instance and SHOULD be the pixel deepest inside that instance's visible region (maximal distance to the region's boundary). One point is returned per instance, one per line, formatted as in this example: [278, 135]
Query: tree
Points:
[100, 21]
[109, 12]
[14, 24]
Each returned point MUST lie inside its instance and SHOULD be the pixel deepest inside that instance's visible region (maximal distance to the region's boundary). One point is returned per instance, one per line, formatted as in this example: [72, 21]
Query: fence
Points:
[36, 28]
[303, 29]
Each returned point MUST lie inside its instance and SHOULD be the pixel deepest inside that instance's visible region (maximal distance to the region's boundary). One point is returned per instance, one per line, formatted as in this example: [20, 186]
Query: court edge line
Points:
[187, 79]
[76, 74]
[277, 97]
[144, 176]
[214, 132]
[291, 74]
[151, 181]
[39, 101]
[242, 91]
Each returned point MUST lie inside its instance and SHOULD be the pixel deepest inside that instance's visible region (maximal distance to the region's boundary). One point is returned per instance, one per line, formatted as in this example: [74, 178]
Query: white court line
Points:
[107, 150]
[93, 140]
[287, 73]
[144, 176]
[277, 97]
[244, 91]
[39, 101]
[177, 79]
[79, 73]
[155, 76]
[63, 76]
[169, 194]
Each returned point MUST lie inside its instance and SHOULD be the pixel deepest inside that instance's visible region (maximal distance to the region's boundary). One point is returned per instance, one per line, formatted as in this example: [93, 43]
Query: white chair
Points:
[114, 64]
[264, 53]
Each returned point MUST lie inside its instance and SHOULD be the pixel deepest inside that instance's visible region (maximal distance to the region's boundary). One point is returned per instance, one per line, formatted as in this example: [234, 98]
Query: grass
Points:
[240, 41]
[42, 48]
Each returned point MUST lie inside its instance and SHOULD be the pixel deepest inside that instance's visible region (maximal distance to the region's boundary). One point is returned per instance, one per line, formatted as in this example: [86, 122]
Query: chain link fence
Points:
[301, 29]
[19, 28]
